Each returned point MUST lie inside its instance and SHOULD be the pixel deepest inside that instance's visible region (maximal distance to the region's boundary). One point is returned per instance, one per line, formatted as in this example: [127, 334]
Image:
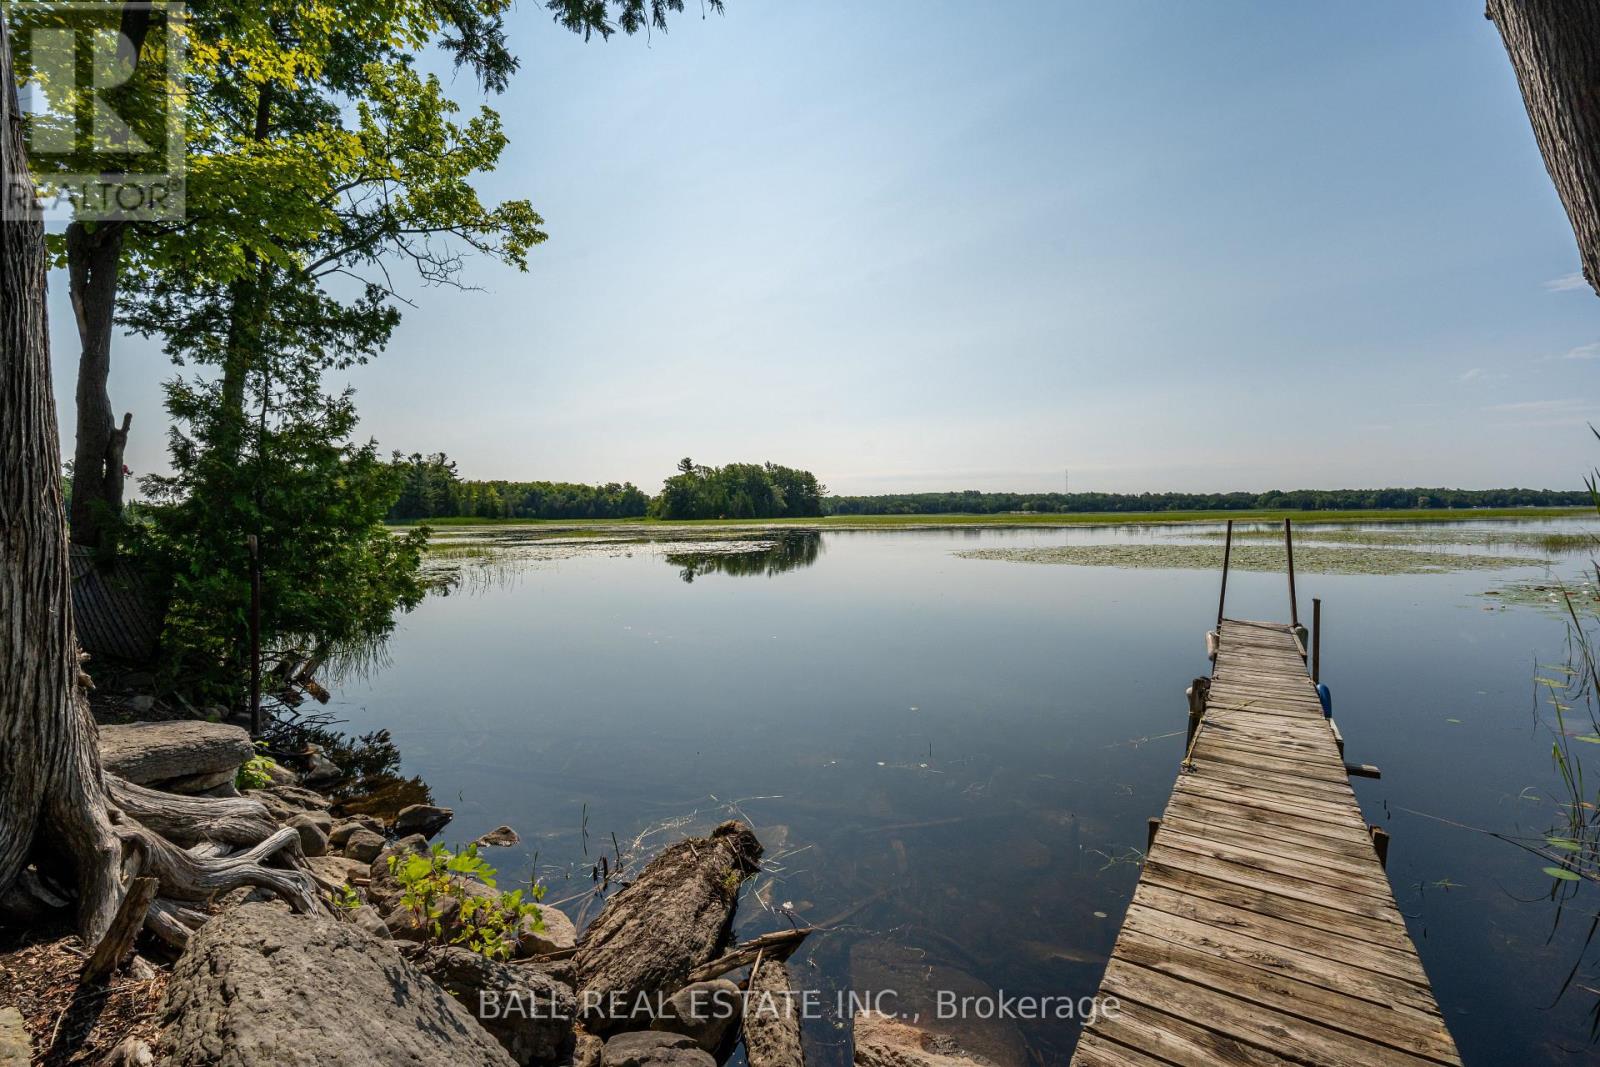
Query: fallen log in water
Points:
[771, 1018]
[655, 932]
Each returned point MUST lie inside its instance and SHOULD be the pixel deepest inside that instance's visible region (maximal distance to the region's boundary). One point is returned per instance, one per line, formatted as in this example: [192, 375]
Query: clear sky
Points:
[1168, 244]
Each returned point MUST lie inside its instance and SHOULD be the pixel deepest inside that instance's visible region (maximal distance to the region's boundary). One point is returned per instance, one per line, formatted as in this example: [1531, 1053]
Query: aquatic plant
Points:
[1318, 559]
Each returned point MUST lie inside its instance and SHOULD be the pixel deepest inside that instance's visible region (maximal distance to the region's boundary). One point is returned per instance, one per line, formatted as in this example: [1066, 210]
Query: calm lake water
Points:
[952, 760]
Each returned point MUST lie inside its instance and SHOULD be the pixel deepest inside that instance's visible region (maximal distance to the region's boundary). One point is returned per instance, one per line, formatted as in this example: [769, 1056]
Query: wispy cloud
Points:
[1478, 374]
[1588, 351]
[1537, 407]
[1567, 283]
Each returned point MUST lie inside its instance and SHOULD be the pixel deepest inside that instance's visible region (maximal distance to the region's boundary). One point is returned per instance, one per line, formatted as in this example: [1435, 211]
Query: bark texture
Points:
[1554, 46]
[772, 1018]
[674, 918]
[50, 783]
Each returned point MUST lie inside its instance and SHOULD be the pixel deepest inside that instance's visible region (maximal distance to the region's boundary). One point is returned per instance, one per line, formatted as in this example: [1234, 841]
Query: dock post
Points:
[1380, 845]
[1150, 837]
[1227, 552]
[1197, 693]
[1288, 544]
[1316, 639]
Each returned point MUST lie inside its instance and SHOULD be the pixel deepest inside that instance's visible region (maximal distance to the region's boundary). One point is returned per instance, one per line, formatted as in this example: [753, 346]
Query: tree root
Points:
[172, 922]
[185, 876]
[191, 820]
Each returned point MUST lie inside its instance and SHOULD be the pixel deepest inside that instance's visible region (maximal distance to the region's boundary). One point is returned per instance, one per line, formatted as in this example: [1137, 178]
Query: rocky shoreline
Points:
[373, 966]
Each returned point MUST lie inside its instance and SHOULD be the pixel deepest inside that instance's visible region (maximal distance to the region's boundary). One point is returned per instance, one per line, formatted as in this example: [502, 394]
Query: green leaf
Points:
[1561, 873]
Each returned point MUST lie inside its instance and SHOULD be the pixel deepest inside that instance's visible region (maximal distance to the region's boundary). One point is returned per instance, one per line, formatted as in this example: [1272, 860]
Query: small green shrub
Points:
[486, 924]
[253, 773]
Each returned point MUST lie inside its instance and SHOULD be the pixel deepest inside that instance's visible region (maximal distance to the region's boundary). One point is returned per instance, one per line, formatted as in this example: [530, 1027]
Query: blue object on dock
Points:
[1327, 701]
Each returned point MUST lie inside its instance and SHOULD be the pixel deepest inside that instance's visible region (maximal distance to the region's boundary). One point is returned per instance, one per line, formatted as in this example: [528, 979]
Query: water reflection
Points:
[790, 551]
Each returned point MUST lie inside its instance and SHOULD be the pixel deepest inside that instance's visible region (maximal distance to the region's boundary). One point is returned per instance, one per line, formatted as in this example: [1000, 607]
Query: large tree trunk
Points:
[94, 258]
[50, 779]
[1554, 47]
[55, 801]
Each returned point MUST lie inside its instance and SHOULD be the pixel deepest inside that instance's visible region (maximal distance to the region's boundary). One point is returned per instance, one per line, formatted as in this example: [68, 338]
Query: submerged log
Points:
[771, 1018]
[655, 932]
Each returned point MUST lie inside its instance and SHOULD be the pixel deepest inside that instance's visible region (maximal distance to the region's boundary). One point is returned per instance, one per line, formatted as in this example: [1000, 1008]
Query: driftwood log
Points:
[771, 1017]
[653, 933]
[774, 946]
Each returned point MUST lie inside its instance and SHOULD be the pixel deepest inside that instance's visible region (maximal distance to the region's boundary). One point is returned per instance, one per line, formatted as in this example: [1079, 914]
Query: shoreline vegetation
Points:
[1036, 520]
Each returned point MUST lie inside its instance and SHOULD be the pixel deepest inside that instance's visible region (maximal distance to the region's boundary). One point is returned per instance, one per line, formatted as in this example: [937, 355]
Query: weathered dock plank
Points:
[1264, 930]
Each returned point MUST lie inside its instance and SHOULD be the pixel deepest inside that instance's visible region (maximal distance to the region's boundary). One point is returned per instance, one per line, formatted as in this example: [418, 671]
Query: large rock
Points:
[555, 933]
[150, 753]
[702, 1011]
[333, 873]
[919, 981]
[16, 1049]
[884, 1041]
[313, 827]
[258, 987]
[424, 819]
[363, 845]
[284, 802]
[527, 1011]
[651, 1048]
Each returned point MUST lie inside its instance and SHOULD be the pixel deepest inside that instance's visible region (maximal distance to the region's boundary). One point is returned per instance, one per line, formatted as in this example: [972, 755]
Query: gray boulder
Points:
[258, 987]
[363, 845]
[651, 1048]
[702, 1011]
[345, 827]
[424, 819]
[499, 837]
[368, 919]
[527, 1011]
[284, 802]
[313, 827]
[153, 753]
[555, 933]
[333, 873]
[320, 770]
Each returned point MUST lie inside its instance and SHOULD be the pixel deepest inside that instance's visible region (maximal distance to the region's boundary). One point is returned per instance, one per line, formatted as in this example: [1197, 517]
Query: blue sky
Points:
[1169, 244]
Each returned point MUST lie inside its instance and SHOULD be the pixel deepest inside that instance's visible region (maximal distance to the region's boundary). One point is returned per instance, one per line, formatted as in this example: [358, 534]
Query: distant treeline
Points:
[738, 491]
[972, 502]
[432, 489]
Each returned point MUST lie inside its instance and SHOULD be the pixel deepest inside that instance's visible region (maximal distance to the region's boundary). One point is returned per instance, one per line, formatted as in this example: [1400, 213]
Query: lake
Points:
[951, 760]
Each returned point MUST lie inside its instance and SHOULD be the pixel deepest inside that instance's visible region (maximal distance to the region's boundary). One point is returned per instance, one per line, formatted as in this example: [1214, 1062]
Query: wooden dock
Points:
[1263, 929]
